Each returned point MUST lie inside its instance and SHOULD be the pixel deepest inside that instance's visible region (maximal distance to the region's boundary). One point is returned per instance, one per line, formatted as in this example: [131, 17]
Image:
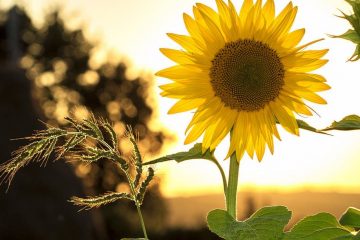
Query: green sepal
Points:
[351, 218]
[266, 224]
[356, 55]
[353, 34]
[350, 35]
[194, 153]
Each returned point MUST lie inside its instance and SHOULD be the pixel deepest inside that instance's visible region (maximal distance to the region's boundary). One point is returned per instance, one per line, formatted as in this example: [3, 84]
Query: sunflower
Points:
[243, 72]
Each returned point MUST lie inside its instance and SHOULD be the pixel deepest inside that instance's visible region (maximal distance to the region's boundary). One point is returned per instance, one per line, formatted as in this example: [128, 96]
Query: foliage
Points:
[58, 61]
[61, 65]
[268, 223]
[351, 122]
[86, 141]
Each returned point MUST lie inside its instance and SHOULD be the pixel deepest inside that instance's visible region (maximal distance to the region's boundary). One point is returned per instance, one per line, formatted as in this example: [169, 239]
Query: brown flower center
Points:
[247, 75]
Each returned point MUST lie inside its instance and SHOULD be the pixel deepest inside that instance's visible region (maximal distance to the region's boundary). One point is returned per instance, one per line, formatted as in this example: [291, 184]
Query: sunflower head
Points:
[243, 72]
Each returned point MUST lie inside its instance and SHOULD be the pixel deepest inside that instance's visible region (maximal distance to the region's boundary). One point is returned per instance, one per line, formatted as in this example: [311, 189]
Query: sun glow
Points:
[310, 161]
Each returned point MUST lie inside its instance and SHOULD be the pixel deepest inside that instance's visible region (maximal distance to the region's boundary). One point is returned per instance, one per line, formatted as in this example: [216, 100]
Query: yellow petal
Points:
[281, 27]
[224, 14]
[177, 56]
[208, 135]
[196, 131]
[209, 12]
[192, 27]
[245, 9]
[213, 30]
[178, 90]
[303, 58]
[306, 65]
[205, 111]
[312, 97]
[186, 42]
[182, 72]
[224, 125]
[293, 38]
[234, 32]
[285, 117]
[269, 11]
[184, 105]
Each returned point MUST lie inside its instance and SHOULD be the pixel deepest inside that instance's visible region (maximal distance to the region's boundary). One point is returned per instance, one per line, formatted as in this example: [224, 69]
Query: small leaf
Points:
[194, 153]
[351, 218]
[351, 122]
[266, 224]
[304, 125]
[322, 226]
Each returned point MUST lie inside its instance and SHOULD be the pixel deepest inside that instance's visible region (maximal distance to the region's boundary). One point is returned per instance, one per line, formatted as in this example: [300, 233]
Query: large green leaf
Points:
[194, 153]
[351, 218]
[322, 226]
[266, 224]
[351, 122]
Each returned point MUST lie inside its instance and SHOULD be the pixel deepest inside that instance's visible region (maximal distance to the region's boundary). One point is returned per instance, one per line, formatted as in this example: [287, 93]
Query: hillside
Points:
[191, 212]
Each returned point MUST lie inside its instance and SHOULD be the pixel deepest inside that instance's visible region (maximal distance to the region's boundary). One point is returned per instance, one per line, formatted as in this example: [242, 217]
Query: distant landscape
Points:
[190, 212]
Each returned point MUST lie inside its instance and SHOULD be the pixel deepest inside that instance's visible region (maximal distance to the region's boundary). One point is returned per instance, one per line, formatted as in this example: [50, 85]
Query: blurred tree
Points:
[35, 206]
[58, 61]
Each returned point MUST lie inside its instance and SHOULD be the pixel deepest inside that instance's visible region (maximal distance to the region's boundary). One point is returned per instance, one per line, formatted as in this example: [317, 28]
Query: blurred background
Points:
[67, 57]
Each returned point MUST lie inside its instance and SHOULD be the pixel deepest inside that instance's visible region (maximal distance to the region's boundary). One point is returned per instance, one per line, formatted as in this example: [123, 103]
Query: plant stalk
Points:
[231, 194]
[133, 192]
[132, 189]
[141, 220]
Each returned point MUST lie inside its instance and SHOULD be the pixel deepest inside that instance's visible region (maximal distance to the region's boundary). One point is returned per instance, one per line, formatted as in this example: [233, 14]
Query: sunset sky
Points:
[136, 29]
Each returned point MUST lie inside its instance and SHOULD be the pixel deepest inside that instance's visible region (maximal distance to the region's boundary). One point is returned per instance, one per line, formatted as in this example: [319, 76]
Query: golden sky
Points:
[137, 29]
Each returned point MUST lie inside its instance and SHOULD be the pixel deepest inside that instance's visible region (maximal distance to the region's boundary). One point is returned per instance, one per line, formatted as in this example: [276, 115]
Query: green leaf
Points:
[351, 122]
[266, 224]
[351, 218]
[194, 153]
[304, 125]
[322, 226]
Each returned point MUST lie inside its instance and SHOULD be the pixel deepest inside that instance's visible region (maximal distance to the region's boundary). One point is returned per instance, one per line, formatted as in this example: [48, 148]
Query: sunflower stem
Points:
[231, 194]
